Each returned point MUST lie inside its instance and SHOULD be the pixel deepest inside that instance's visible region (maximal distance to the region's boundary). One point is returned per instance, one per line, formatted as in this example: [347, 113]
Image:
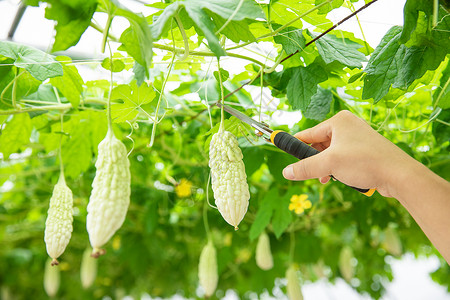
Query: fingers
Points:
[312, 167]
[317, 134]
[320, 146]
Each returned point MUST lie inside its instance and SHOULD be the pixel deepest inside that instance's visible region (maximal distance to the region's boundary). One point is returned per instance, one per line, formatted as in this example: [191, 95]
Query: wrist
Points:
[409, 173]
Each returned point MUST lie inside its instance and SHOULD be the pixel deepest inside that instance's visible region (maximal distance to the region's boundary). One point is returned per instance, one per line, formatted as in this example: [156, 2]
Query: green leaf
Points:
[236, 30]
[399, 65]
[163, 21]
[15, 135]
[411, 14]
[224, 74]
[384, 65]
[133, 98]
[71, 83]
[205, 26]
[320, 105]
[290, 38]
[277, 161]
[355, 77]
[117, 65]
[303, 85]
[330, 6]
[282, 216]
[264, 214]
[442, 131]
[253, 158]
[40, 64]
[76, 149]
[343, 50]
[425, 51]
[441, 95]
[139, 73]
[137, 42]
[137, 39]
[73, 18]
[248, 10]
[25, 83]
[283, 11]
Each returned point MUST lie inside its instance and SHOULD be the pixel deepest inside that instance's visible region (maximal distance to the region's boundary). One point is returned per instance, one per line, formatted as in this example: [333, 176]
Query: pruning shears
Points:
[283, 140]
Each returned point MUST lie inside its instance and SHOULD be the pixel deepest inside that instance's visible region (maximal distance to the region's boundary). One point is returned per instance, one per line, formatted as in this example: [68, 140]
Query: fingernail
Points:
[288, 172]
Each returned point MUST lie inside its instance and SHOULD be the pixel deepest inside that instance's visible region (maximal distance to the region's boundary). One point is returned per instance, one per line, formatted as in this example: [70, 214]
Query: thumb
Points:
[315, 166]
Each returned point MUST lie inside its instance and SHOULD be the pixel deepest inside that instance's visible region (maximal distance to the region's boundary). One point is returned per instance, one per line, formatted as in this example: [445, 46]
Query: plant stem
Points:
[106, 30]
[108, 113]
[14, 88]
[156, 121]
[185, 39]
[101, 30]
[435, 12]
[222, 116]
[61, 166]
[205, 53]
[205, 220]
[40, 108]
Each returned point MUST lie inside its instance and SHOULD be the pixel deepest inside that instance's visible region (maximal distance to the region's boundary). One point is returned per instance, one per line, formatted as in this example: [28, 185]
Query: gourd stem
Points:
[61, 166]
[205, 221]
[108, 113]
[222, 117]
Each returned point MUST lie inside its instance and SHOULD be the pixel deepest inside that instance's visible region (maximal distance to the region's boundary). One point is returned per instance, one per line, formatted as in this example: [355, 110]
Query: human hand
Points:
[353, 153]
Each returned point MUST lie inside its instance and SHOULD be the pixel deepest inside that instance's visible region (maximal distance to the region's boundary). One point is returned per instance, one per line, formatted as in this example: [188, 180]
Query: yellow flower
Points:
[183, 189]
[299, 203]
[116, 243]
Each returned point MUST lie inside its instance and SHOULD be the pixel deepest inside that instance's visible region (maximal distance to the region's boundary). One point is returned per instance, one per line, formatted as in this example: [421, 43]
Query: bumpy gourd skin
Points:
[58, 226]
[207, 269]
[110, 195]
[229, 181]
[264, 259]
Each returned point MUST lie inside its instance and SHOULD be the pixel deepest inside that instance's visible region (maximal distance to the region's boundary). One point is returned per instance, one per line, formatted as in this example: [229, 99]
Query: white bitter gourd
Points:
[88, 270]
[51, 278]
[207, 269]
[110, 195]
[294, 290]
[264, 258]
[58, 226]
[345, 263]
[229, 181]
